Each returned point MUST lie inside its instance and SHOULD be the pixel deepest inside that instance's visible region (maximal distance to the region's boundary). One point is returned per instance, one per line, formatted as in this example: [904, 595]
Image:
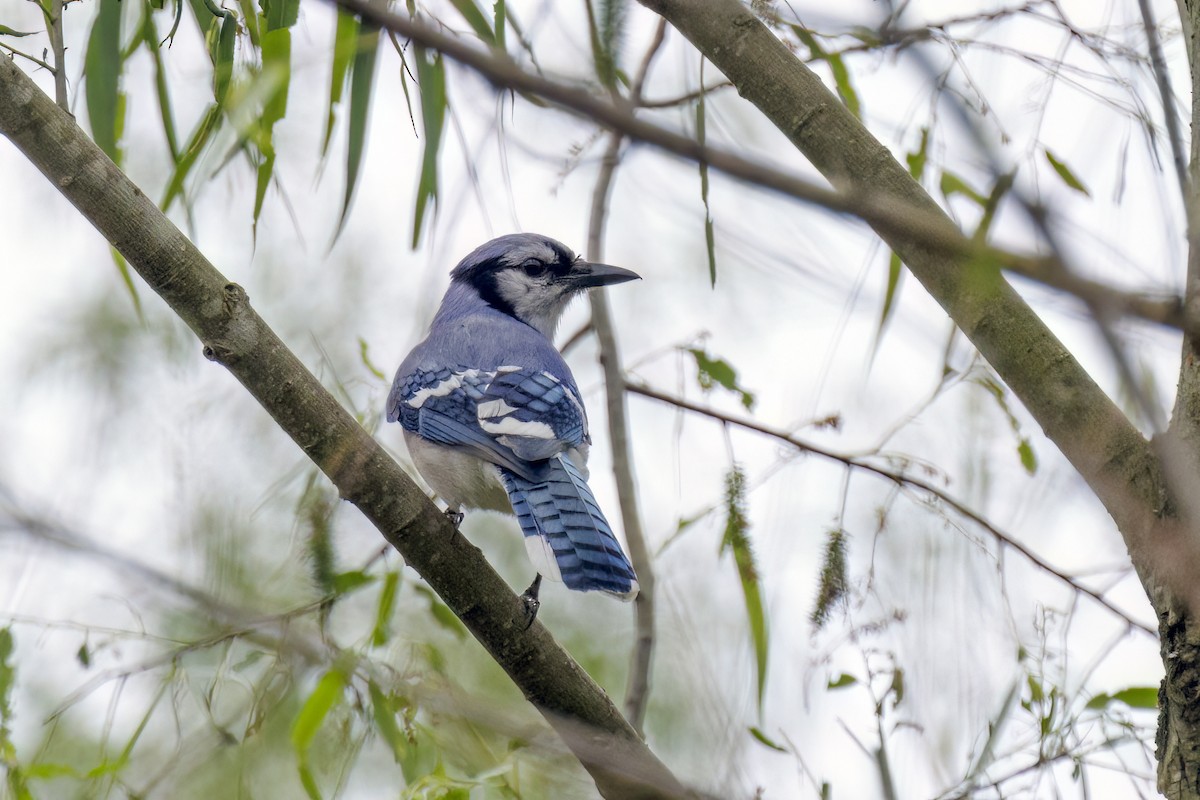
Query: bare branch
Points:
[900, 479]
[637, 690]
[54, 29]
[1163, 79]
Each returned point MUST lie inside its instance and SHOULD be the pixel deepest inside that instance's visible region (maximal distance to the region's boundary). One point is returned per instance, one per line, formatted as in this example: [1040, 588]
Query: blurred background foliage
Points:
[186, 610]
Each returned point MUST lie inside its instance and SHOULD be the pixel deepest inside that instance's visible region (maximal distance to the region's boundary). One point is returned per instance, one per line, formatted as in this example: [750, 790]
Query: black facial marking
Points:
[483, 278]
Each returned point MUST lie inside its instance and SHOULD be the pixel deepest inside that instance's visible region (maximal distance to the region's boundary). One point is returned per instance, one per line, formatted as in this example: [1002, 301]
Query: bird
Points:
[493, 418]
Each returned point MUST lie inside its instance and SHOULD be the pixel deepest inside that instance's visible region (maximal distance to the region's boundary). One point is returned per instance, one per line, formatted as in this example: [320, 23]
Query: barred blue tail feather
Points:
[566, 534]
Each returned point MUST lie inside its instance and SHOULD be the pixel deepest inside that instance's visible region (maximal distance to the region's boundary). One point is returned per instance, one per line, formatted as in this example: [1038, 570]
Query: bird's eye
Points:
[534, 268]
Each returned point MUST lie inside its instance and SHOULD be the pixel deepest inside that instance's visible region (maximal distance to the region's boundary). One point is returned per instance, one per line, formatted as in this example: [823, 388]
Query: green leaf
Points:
[431, 75]
[737, 541]
[384, 714]
[1028, 457]
[917, 158]
[894, 275]
[916, 167]
[763, 739]
[277, 68]
[345, 46]
[898, 685]
[442, 613]
[500, 13]
[1003, 184]
[1064, 172]
[709, 243]
[280, 13]
[606, 26]
[102, 68]
[475, 18]
[713, 372]
[224, 47]
[251, 658]
[383, 613]
[1138, 696]
[362, 81]
[952, 184]
[204, 17]
[250, 17]
[7, 31]
[346, 582]
[841, 75]
[84, 656]
[127, 279]
[366, 360]
[327, 694]
[151, 42]
[842, 681]
[8, 679]
[46, 770]
[1024, 448]
[308, 781]
[1134, 697]
[196, 144]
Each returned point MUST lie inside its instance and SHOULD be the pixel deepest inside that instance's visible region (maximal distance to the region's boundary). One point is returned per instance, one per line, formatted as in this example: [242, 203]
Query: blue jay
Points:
[493, 418]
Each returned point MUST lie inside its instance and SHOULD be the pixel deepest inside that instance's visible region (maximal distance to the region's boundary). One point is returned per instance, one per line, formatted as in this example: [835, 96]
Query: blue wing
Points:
[566, 533]
[511, 416]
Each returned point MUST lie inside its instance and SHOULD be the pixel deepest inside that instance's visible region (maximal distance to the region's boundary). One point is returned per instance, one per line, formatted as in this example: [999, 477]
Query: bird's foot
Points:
[530, 599]
[455, 516]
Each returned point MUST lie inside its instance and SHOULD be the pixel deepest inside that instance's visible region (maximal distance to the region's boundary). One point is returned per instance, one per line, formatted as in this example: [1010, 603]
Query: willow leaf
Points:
[102, 69]
[431, 75]
[362, 81]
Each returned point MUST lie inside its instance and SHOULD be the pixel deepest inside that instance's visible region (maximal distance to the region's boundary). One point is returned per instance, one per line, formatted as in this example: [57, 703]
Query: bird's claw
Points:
[531, 601]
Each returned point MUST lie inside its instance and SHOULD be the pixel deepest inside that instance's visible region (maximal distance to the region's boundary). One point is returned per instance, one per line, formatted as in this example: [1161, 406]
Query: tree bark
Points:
[1178, 739]
[234, 335]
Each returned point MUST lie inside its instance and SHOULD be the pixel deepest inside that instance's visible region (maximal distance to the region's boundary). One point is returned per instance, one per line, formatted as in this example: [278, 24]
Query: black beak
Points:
[586, 275]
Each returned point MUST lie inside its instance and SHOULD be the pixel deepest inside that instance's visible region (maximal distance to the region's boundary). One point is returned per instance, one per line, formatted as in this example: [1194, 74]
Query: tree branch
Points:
[1162, 78]
[637, 689]
[236, 337]
[899, 479]
[54, 30]
[1102, 445]
[923, 225]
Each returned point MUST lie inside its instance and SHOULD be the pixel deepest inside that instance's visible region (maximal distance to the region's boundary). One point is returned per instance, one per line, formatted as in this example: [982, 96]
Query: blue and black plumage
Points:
[493, 417]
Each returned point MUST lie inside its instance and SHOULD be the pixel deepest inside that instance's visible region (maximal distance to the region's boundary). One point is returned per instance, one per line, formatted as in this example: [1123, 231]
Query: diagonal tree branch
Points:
[1106, 449]
[235, 336]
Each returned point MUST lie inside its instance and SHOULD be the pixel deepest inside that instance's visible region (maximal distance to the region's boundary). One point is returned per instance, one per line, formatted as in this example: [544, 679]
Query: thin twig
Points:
[637, 691]
[900, 479]
[54, 29]
[684, 99]
[1161, 77]
[32, 59]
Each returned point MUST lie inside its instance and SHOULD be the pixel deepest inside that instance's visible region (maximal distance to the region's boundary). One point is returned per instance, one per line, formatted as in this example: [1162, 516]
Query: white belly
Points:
[462, 480]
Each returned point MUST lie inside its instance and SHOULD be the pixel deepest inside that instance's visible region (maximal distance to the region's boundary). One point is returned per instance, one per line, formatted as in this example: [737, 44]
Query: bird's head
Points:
[533, 277]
